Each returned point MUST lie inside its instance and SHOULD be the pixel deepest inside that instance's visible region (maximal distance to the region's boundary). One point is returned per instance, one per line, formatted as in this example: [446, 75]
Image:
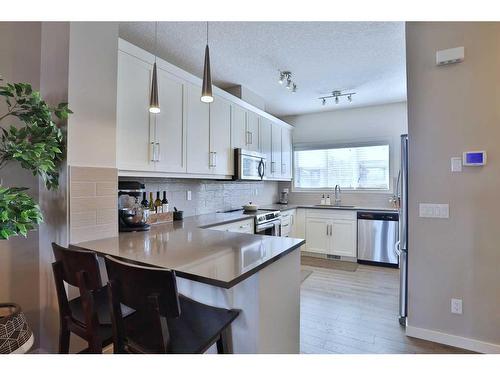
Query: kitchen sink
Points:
[334, 205]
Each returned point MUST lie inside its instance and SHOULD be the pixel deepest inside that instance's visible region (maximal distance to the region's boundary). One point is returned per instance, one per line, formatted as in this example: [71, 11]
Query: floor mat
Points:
[329, 263]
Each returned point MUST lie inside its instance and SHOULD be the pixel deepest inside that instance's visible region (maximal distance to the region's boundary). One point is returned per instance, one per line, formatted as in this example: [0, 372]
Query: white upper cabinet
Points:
[276, 151]
[239, 127]
[221, 152]
[252, 131]
[169, 129]
[198, 132]
[286, 153]
[266, 143]
[134, 135]
[188, 137]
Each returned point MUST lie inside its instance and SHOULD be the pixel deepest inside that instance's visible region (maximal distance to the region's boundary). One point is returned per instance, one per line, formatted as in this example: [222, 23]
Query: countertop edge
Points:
[246, 275]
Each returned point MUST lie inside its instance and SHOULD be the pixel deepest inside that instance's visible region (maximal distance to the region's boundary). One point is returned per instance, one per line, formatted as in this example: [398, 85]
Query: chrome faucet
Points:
[337, 195]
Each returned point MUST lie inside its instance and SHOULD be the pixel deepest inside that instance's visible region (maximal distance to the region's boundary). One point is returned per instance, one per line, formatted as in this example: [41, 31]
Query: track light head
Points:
[336, 100]
[349, 98]
[323, 102]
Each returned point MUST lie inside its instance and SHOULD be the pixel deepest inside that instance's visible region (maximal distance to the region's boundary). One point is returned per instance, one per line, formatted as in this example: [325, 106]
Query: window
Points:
[353, 168]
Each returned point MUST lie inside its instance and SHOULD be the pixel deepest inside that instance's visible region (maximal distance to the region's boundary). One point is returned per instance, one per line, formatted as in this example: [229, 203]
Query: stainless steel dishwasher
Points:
[377, 236]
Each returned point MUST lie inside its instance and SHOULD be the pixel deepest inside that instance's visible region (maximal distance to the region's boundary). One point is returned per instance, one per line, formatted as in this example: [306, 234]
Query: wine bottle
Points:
[151, 202]
[164, 202]
[158, 206]
[144, 202]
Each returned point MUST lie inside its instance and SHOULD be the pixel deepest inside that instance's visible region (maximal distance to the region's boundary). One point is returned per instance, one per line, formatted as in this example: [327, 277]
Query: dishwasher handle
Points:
[397, 248]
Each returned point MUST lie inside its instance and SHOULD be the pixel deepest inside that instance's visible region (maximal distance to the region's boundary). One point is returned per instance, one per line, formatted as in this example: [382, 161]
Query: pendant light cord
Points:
[207, 33]
[156, 37]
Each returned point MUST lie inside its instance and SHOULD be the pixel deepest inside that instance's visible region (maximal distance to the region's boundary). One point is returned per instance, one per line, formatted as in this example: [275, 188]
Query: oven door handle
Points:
[271, 224]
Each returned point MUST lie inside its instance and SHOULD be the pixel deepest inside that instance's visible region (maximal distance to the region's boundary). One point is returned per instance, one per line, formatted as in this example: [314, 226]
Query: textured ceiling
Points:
[366, 57]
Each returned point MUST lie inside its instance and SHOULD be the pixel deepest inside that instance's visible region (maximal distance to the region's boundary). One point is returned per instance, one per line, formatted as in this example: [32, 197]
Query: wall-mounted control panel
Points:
[474, 158]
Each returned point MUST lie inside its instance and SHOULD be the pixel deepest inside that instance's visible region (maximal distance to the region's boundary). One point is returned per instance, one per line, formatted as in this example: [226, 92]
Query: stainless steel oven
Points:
[268, 224]
[249, 165]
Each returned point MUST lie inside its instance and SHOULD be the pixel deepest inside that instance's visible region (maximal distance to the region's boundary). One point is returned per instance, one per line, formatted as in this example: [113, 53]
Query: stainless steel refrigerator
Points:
[401, 246]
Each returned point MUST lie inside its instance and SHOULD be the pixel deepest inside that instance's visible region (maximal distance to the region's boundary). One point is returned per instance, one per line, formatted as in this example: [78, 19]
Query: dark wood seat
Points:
[164, 320]
[88, 316]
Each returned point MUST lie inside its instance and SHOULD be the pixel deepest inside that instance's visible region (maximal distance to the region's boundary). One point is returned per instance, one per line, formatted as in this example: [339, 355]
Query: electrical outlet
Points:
[441, 211]
[456, 306]
[188, 195]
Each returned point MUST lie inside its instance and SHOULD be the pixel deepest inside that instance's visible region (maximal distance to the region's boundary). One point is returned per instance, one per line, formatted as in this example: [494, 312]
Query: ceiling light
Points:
[336, 94]
[206, 89]
[286, 76]
[282, 78]
[154, 102]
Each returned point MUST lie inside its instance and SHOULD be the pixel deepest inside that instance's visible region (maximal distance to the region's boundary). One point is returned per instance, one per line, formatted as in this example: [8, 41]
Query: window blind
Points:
[353, 168]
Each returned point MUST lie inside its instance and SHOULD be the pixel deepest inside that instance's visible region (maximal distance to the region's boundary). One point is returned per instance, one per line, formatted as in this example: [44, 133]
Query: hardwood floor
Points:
[356, 312]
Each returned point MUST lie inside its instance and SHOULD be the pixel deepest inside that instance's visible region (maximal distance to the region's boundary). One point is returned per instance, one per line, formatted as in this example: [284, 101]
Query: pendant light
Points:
[154, 103]
[206, 89]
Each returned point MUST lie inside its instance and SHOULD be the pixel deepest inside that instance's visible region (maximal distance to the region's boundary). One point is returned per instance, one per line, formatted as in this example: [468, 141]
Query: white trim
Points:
[147, 57]
[452, 340]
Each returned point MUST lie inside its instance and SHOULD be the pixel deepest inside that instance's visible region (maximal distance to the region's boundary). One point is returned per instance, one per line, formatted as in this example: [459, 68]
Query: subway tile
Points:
[91, 174]
[83, 219]
[93, 203]
[82, 189]
[107, 216]
[106, 189]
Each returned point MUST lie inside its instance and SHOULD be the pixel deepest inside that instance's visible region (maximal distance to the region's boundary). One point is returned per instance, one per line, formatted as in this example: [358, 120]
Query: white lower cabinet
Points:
[331, 232]
[288, 223]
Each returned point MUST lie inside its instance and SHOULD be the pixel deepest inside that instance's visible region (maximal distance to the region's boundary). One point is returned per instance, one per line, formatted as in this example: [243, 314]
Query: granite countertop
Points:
[290, 206]
[212, 257]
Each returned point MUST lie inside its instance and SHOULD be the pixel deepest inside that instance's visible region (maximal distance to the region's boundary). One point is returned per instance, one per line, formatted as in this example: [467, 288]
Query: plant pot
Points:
[16, 336]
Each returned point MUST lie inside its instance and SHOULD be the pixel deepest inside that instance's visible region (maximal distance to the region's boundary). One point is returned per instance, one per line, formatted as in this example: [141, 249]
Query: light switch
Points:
[456, 164]
[440, 211]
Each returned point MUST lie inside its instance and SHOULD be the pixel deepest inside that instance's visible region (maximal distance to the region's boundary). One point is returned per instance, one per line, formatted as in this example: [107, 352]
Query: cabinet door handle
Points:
[152, 151]
[247, 137]
[272, 167]
[215, 159]
[283, 168]
[251, 138]
[157, 151]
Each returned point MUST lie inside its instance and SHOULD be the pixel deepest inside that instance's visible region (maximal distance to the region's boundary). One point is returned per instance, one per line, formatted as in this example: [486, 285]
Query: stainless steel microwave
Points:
[249, 165]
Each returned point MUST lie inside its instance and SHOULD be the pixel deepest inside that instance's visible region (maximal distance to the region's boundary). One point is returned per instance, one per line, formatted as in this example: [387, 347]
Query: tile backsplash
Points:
[209, 196]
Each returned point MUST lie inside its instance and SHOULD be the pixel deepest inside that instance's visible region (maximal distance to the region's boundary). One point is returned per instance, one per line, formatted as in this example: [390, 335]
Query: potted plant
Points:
[38, 145]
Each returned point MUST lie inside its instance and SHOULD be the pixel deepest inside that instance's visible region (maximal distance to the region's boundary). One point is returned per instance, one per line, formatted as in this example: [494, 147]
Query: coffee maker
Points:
[131, 215]
[284, 197]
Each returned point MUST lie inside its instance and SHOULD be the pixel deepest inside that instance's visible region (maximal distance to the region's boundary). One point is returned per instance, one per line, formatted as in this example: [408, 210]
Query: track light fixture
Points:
[286, 76]
[336, 94]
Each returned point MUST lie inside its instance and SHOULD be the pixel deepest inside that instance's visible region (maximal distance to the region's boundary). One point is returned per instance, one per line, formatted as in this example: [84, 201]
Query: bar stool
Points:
[88, 316]
[164, 320]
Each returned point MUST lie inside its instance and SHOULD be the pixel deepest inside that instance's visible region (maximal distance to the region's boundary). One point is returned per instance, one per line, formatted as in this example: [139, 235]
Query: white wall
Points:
[93, 63]
[452, 109]
[383, 122]
[20, 62]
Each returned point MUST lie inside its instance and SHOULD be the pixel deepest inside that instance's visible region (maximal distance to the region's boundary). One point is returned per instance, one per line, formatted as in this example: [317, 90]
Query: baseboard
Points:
[452, 340]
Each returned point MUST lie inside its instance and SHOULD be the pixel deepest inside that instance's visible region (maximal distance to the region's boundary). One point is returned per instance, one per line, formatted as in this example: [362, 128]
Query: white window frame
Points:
[349, 144]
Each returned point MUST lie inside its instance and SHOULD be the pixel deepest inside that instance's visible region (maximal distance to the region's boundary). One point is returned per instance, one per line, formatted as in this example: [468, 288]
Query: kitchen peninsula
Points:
[260, 275]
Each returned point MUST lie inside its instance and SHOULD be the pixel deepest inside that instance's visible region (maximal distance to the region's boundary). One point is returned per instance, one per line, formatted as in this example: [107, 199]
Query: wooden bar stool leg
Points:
[225, 342]
[64, 335]
[95, 346]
